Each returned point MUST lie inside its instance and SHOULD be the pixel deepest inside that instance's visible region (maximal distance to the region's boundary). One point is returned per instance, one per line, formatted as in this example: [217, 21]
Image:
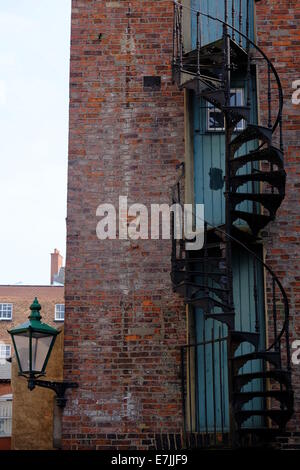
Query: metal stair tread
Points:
[280, 375]
[256, 222]
[279, 416]
[252, 132]
[276, 178]
[270, 356]
[200, 273]
[240, 112]
[224, 317]
[262, 394]
[258, 197]
[201, 84]
[208, 300]
[261, 430]
[216, 97]
[271, 202]
[200, 260]
[249, 216]
[191, 288]
[240, 235]
[214, 53]
[242, 334]
[271, 154]
[203, 287]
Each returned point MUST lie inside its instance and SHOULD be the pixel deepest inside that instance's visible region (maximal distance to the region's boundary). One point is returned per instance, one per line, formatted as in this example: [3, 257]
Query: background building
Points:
[15, 301]
[5, 405]
[57, 269]
[130, 128]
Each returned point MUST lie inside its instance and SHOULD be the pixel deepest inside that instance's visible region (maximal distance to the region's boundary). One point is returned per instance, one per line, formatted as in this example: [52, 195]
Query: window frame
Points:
[2, 346]
[2, 318]
[211, 108]
[5, 415]
[56, 318]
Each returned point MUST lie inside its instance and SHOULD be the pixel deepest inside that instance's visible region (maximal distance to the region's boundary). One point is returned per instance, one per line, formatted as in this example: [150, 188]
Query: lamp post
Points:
[33, 342]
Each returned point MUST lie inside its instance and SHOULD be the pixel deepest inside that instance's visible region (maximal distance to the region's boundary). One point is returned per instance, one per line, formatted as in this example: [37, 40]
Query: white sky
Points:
[34, 94]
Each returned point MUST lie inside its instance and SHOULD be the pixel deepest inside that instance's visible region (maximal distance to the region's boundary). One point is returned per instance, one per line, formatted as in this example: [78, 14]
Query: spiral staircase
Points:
[255, 188]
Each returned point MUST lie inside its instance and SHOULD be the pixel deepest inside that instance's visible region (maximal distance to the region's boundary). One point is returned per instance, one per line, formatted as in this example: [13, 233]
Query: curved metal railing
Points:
[280, 328]
[191, 61]
[179, 52]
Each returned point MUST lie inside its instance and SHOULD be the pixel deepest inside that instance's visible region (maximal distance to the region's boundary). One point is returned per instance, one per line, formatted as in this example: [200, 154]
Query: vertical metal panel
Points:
[209, 153]
[243, 283]
[212, 30]
[212, 375]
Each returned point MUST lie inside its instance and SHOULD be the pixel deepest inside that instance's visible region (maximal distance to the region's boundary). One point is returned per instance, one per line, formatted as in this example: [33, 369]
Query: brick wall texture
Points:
[5, 388]
[123, 324]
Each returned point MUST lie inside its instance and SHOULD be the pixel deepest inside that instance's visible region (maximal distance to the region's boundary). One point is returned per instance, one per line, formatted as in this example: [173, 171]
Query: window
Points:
[6, 311]
[5, 415]
[5, 351]
[215, 117]
[59, 312]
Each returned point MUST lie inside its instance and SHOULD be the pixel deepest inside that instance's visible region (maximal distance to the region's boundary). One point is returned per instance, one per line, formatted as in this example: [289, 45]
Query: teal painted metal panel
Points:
[213, 392]
[209, 169]
[211, 30]
[209, 154]
[212, 375]
[247, 314]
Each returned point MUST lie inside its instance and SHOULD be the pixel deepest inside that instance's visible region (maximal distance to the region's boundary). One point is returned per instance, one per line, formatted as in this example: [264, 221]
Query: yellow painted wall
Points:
[32, 417]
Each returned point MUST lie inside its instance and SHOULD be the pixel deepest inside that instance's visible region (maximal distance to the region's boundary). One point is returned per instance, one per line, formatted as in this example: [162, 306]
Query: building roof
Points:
[5, 370]
[28, 291]
[22, 286]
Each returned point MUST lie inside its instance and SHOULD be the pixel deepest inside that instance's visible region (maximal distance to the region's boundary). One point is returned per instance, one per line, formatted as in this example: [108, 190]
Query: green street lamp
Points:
[33, 342]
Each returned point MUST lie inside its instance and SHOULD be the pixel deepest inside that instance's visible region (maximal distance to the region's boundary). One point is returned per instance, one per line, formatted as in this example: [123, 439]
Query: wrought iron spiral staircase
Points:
[255, 180]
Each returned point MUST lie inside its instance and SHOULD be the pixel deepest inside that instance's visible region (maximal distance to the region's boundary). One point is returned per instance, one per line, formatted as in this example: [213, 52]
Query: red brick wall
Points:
[5, 443]
[5, 388]
[124, 325]
[278, 36]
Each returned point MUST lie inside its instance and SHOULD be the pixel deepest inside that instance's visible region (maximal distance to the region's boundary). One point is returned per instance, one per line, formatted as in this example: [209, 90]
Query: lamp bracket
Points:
[58, 387]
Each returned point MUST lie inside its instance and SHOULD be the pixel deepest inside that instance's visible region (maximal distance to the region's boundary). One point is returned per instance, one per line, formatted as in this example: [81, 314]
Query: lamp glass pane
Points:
[22, 346]
[40, 348]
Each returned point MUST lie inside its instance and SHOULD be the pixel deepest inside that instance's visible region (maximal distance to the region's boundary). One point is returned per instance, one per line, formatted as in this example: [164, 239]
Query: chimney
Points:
[56, 264]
